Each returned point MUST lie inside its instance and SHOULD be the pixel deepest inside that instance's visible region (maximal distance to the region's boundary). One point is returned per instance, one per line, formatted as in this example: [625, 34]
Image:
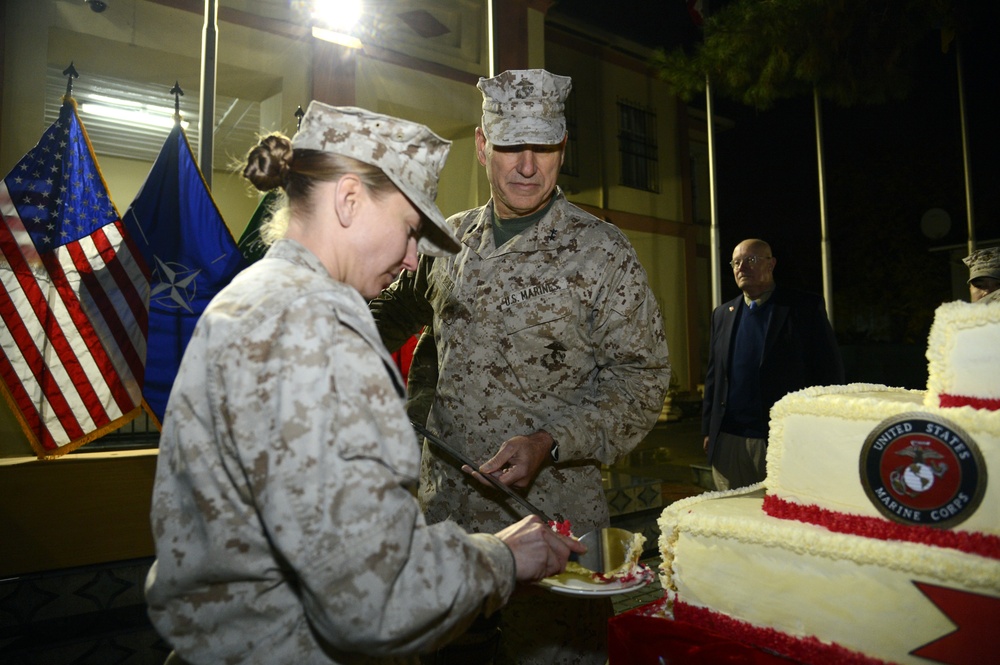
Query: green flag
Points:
[250, 243]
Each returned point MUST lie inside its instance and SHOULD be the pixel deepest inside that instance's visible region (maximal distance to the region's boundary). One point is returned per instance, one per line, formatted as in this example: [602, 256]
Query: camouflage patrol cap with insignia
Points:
[524, 106]
[409, 154]
[983, 263]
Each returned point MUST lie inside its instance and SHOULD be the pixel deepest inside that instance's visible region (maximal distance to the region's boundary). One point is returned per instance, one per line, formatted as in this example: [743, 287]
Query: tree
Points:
[849, 51]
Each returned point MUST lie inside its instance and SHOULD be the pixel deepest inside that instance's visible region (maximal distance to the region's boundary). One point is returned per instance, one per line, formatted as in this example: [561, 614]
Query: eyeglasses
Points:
[750, 261]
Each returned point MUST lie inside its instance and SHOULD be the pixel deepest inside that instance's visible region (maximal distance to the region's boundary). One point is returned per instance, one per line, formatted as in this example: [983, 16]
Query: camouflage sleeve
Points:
[401, 310]
[332, 494]
[422, 381]
[632, 370]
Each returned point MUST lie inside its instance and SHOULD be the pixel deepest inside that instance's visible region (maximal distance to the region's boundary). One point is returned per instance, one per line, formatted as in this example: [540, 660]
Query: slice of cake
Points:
[630, 570]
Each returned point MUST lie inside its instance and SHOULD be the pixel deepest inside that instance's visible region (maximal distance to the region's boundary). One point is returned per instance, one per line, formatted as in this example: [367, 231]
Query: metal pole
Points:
[965, 148]
[713, 200]
[206, 116]
[824, 237]
[493, 45]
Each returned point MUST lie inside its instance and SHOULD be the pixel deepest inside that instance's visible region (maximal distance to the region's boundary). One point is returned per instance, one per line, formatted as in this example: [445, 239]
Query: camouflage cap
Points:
[525, 106]
[983, 263]
[409, 154]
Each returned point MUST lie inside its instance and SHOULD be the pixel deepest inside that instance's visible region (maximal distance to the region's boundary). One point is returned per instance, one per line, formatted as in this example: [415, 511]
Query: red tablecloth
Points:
[637, 637]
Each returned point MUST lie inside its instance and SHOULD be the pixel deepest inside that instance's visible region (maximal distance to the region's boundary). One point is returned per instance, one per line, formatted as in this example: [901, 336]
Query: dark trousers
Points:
[476, 646]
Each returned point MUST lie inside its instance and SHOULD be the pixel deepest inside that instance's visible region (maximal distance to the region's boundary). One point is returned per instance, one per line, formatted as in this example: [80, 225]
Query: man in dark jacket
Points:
[766, 343]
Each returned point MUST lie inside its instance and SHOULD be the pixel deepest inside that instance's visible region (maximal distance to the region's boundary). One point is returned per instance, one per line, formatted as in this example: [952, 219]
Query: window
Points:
[637, 147]
[237, 120]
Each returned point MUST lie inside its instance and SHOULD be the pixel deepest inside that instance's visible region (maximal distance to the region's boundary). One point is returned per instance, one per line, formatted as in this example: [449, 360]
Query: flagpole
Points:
[206, 117]
[713, 201]
[824, 234]
[177, 92]
[965, 149]
[493, 45]
[70, 74]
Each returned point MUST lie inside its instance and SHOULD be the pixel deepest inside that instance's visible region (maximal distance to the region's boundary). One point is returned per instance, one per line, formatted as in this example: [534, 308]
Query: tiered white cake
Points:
[876, 535]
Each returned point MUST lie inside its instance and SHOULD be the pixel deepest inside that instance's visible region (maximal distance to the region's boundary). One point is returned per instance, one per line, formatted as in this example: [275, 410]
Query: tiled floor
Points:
[93, 615]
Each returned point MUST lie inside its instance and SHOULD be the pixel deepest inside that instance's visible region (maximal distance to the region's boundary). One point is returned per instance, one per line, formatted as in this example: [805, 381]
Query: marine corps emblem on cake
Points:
[920, 469]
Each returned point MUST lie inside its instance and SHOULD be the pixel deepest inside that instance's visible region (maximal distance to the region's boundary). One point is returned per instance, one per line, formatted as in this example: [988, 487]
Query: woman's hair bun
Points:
[268, 162]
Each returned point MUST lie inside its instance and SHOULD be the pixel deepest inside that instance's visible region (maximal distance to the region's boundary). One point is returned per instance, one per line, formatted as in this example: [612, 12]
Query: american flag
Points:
[74, 298]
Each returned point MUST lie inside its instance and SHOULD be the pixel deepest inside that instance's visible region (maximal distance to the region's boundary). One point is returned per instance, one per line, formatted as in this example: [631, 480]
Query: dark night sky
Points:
[885, 165]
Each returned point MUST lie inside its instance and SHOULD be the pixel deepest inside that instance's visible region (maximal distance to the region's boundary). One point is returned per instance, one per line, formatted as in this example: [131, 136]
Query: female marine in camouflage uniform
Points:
[285, 526]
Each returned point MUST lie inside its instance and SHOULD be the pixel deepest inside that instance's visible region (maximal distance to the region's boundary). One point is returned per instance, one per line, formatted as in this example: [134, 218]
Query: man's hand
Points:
[519, 459]
[538, 550]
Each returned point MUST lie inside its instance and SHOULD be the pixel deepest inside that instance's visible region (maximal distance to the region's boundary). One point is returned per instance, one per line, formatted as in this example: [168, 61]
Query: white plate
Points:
[573, 585]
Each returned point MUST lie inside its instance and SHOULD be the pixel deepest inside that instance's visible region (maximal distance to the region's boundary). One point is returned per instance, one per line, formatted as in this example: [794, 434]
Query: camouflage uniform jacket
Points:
[556, 330]
[992, 296]
[283, 511]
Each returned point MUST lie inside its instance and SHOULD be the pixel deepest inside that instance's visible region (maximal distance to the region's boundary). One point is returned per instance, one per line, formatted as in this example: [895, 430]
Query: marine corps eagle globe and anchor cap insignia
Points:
[920, 469]
[409, 154]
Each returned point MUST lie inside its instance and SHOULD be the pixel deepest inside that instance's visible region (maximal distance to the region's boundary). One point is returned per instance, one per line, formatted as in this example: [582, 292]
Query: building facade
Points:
[636, 157]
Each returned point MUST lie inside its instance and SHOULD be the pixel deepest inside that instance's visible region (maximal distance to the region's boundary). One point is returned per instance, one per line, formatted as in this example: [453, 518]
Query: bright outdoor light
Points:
[137, 113]
[115, 101]
[337, 15]
[336, 37]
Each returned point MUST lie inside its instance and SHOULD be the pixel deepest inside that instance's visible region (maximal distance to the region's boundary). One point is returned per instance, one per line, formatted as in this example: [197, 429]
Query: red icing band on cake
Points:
[802, 649]
[948, 401]
[875, 527]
